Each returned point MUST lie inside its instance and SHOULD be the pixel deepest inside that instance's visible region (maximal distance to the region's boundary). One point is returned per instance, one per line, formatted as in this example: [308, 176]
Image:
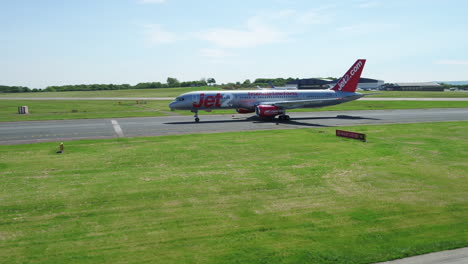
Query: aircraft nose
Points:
[172, 105]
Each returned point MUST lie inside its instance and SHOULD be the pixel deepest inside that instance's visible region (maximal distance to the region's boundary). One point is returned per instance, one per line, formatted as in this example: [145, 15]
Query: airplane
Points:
[267, 104]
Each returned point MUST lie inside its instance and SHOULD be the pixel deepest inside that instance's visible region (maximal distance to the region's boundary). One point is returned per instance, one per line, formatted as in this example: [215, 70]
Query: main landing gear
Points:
[196, 116]
[283, 118]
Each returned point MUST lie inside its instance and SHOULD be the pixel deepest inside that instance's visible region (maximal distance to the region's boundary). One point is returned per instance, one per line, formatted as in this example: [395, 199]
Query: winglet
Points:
[349, 81]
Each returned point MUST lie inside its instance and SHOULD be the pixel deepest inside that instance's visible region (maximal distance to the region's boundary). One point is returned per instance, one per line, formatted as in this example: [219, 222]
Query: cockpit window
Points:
[180, 99]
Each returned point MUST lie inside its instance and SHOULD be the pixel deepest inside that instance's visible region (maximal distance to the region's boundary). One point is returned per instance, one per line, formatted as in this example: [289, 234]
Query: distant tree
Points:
[211, 81]
[50, 89]
[246, 83]
[172, 82]
[14, 89]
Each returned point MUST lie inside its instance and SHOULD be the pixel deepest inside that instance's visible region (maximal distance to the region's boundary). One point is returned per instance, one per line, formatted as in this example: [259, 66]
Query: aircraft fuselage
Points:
[210, 100]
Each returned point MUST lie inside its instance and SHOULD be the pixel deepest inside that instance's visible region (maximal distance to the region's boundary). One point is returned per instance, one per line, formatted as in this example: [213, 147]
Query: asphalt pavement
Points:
[65, 130]
[456, 256]
[372, 98]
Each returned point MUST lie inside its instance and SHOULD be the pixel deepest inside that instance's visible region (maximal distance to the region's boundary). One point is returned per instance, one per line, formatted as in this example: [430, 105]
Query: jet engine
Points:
[268, 111]
[244, 110]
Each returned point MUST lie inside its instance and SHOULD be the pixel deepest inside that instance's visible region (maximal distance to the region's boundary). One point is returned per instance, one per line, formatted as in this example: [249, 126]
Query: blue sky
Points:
[52, 42]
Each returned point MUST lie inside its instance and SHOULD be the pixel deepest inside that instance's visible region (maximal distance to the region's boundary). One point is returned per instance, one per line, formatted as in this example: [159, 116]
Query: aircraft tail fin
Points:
[349, 81]
[271, 85]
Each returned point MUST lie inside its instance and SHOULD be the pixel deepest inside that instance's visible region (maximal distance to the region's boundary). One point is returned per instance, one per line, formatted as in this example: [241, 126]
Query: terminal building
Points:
[313, 83]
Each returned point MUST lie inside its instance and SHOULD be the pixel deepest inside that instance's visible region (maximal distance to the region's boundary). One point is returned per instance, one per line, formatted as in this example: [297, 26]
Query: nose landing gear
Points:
[196, 116]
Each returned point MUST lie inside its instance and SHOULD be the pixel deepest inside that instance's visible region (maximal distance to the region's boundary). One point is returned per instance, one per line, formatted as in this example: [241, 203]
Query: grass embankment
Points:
[289, 196]
[57, 110]
[134, 93]
[173, 92]
[413, 94]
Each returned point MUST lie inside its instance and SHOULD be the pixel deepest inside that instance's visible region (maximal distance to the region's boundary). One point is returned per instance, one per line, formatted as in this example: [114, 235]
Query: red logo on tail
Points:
[349, 81]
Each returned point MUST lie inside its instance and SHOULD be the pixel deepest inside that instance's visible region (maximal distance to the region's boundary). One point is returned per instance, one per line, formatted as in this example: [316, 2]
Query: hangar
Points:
[416, 86]
[315, 83]
[312, 83]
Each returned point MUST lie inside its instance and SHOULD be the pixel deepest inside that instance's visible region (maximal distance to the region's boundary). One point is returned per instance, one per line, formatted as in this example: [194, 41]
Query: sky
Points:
[60, 42]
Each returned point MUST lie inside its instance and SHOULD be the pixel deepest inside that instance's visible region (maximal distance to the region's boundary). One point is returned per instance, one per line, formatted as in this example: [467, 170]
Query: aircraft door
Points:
[195, 99]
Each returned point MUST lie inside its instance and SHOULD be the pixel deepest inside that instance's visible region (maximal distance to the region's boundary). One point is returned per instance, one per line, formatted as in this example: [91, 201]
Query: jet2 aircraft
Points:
[267, 104]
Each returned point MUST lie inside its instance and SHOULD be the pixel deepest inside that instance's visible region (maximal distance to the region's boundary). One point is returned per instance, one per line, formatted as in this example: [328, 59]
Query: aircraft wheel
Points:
[286, 117]
[197, 119]
[281, 118]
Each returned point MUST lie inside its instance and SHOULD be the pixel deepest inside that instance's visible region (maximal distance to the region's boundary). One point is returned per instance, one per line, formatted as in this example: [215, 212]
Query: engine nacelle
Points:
[244, 110]
[268, 111]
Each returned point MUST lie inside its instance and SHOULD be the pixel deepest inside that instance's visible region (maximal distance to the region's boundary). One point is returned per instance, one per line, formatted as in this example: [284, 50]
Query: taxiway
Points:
[65, 130]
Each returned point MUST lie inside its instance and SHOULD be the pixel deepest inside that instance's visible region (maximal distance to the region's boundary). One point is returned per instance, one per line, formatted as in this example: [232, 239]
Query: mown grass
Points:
[173, 92]
[415, 94]
[56, 110]
[82, 109]
[286, 196]
[163, 92]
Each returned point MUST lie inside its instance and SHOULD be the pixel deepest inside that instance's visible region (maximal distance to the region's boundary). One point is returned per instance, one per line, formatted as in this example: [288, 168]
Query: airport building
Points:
[313, 83]
[416, 86]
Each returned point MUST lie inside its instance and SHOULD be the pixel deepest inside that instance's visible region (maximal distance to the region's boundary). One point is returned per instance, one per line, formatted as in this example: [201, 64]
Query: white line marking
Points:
[117, 128]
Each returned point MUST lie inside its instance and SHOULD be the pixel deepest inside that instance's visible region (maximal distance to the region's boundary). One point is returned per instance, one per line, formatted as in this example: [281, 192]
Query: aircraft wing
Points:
[298, 103]
[370, 94]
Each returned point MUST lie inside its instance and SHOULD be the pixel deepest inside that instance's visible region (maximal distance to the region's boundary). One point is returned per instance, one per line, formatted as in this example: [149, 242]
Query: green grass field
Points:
[284, 196]
[166, 92]
[56, 110]
[413, 94]
[173, 92]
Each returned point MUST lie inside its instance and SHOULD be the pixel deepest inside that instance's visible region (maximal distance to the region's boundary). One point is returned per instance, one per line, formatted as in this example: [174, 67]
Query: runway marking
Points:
[117, 128]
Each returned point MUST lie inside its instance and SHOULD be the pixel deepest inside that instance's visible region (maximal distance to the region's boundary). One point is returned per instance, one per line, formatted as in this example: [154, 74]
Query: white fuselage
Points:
[249, 99]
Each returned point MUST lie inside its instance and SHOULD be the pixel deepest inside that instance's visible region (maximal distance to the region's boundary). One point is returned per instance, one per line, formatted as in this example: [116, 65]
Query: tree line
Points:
[170, 83]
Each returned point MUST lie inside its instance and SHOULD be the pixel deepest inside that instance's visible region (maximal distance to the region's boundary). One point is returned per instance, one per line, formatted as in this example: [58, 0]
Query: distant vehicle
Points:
[267, 104]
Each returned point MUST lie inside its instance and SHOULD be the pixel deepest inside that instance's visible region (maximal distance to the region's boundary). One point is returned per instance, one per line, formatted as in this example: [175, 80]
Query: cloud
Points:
[452, 62]
[367, 28]
[253, 36]
[215, 53]
[156, 35]
[314, 17]
[259, 30]
[265, 28]
[369, 4]
[152, 1]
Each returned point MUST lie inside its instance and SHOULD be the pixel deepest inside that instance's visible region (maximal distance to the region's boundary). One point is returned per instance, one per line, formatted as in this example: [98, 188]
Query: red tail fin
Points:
[349, 81]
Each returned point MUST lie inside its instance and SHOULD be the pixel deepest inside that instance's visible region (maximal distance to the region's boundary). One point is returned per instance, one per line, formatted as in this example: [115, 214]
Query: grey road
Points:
[89, 98]
[456, 256]
[172, 98]
[64, 130]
